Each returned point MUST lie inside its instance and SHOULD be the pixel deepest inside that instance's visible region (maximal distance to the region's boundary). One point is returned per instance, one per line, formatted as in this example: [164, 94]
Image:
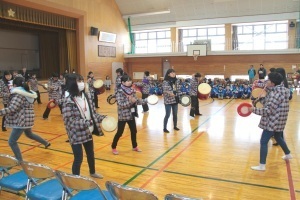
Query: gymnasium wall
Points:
[102, 14]
[226, 65]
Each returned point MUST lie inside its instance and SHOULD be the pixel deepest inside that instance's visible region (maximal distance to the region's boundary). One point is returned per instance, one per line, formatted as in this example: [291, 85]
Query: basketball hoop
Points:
[195, 57]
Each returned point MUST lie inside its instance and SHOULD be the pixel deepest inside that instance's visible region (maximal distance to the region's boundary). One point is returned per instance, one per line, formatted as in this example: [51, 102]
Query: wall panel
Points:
[218, 65]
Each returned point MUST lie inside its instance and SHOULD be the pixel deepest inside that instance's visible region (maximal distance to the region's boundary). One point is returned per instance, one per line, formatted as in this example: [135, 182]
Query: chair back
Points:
[86, 187]
[178, 197]
[76, 182]
[7, 161]
[37, 171]
[127, 193]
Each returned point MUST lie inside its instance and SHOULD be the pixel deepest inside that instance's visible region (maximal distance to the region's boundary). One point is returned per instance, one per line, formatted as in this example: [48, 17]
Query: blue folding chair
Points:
[178, 197]
[119, 191]
[12, 181]
[41, 184]
[78, 187]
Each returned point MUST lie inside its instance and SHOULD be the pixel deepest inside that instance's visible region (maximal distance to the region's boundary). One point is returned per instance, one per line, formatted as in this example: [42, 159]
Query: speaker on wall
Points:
[94, 31]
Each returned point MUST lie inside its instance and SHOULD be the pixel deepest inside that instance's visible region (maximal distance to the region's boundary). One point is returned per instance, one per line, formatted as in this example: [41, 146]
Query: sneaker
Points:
[96, 176]
[137, 149]
[166, 130]
[115, 151]
[4, 129]
[260, 167]
[287, 157]
[45, 118]
[199, 114]
[47, 145]
[177, 129]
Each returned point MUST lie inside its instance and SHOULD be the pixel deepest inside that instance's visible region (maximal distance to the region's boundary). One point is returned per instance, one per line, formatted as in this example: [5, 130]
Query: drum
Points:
[152, 99]
[204, 90]
[243, 109]
[111, 99]
[99, 87]
[257, 92]
[109, 124]
[185, 100]
[51, 104]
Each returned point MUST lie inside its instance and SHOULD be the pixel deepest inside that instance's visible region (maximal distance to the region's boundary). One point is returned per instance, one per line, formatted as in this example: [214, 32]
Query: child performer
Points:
[194, 95]
[34, 87]
[127, 110]
[145, 85]
[5, 87]
[81, 121]
[20, 115]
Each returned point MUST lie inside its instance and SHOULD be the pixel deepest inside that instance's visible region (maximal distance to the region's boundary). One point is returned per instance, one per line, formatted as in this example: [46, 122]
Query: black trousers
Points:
[38, 97]
[3, 118]
[194, 106]
[78, 156]
[121, 126]
[96, 100]
[145, 106]
[47, 112]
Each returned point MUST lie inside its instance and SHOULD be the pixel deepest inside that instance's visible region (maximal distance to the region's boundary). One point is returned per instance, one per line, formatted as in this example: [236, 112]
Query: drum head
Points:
[243, 110]
[257, 92]
[112, 100]
[204, 88]
[185, 100]
[259, 105]
[98, 84]
[152, 99]
[109, 124]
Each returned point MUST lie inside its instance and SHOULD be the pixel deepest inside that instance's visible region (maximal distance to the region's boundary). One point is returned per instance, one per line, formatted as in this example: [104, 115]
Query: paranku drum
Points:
[99, 87]
[152, 99]
[185, 100]
[109, 124]
[203, 91]
[111, 99]
[243, 109]
[256, 93]
[51, 104]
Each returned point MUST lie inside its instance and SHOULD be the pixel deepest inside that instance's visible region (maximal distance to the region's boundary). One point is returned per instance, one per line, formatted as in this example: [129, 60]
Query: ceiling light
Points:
[147, 14]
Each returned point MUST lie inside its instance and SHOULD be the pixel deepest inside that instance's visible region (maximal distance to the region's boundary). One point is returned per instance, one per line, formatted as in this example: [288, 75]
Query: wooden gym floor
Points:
[210, 157]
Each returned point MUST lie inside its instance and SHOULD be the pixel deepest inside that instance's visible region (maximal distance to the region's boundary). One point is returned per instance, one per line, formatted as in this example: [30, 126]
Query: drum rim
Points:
[151, 97]
[98, 81]
[49, 103]
[185, 104]
[109, 118]
[240, 107]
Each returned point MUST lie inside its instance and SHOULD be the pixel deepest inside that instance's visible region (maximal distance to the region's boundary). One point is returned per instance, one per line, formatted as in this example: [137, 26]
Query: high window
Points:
[215, 34]
[158, 41]
[262, 36]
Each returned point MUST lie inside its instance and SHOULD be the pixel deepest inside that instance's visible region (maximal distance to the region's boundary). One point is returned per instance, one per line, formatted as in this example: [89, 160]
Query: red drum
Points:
[99, 87]
[51, 104]
[204, 90]
[243, 109]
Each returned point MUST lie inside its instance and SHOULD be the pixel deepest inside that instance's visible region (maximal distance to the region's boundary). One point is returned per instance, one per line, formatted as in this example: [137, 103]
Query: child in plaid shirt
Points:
[274, 115]
[127, 111]
[20, 115]
[171, 92]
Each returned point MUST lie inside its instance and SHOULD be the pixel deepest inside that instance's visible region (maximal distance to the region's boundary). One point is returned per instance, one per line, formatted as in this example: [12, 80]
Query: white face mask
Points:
[80, 86]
